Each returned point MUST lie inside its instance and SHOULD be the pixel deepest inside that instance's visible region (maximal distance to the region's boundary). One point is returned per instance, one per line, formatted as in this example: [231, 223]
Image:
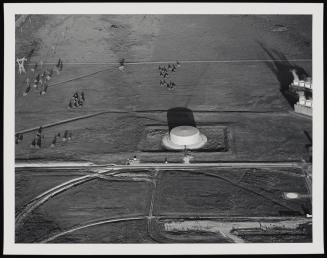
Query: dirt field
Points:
[79, 211]
[84, 42]
[233, 73]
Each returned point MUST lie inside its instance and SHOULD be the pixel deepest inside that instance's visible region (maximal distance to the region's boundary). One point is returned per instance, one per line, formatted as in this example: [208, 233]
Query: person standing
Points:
[33, 143]
[28, 88]
[61, 65]
[70, 135]
[38, 142]
[122, 64]
[54, 141]
[36, 81]
[71, 103]
[65, 136]
[33, 69]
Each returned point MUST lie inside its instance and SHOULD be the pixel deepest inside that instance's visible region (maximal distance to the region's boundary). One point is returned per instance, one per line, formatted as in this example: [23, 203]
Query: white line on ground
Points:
[92, 225]
[185, 61]
[45, 196]
[53, 164]
[135, 112]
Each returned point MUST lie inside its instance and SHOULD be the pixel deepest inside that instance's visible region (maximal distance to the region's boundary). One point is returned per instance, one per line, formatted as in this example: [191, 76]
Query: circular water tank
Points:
[184, 136]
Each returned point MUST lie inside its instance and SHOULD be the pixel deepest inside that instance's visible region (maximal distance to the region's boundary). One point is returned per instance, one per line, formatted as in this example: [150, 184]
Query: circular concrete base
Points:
[184, 136]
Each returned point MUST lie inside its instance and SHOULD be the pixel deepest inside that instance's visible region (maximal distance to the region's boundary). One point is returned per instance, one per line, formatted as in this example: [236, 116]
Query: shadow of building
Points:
[180, 116]
[309, 145]
[281, 67]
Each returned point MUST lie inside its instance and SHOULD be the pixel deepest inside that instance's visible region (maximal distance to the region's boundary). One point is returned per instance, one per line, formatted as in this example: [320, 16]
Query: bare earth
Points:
[232, 70]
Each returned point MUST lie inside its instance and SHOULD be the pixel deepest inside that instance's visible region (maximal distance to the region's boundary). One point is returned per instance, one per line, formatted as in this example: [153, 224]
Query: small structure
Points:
[303, 88]
[184, 137]
[134, 161]
[187, 158]
[20, 62]
[293, 195]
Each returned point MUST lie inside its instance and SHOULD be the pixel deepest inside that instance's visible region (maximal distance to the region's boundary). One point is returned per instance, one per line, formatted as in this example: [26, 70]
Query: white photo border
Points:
[315, 9]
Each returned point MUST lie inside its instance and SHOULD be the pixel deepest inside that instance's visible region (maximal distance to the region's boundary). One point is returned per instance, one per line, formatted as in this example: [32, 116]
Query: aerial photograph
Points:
[163, 128]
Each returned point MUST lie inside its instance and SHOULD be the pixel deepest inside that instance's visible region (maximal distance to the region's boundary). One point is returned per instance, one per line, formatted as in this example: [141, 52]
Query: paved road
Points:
[74, 165]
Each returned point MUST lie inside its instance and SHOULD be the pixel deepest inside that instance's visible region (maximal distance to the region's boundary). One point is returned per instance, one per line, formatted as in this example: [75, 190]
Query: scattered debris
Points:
[279, 28]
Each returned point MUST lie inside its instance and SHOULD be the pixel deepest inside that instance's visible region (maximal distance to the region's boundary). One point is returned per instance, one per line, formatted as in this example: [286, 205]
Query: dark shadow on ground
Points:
[281, 67]
[309, 145]
[180, 116]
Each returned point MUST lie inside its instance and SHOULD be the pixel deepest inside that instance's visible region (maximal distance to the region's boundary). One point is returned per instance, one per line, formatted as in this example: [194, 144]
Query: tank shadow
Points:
[180, 116]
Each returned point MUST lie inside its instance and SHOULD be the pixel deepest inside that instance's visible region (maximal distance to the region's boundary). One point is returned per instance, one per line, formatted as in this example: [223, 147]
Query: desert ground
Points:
[233, 73]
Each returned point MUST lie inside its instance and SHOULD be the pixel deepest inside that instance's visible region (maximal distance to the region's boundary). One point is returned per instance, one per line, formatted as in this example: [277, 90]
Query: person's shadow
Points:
[281, 67]
[180, 116]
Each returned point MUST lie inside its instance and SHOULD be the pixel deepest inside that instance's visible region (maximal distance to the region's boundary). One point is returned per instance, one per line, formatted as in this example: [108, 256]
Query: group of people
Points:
[37, 140]
[66, 137]
[41, 79]
[77, 100]
[39, 137]
[169, 85]
[18, 137]
[164, 73]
